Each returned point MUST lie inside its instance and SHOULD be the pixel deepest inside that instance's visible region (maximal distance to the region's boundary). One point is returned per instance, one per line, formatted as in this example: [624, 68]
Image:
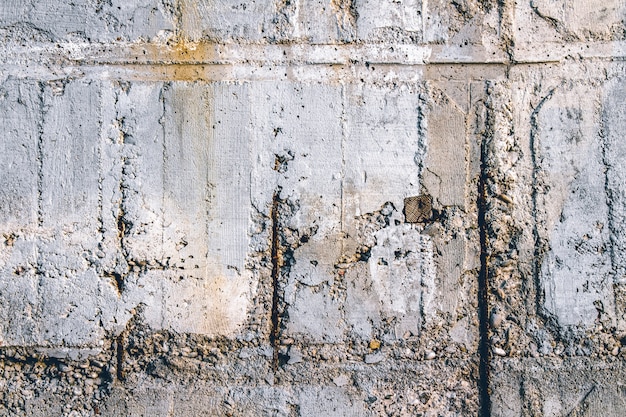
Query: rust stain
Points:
[277, 262]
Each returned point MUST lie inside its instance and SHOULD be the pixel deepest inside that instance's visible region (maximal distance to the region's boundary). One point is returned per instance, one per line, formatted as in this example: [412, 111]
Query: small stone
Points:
[295, 356]
[505, 198]
[615, 351]
[374, 344]
[372, 358]
[496, 319]
[429, 355]
[559, 349]
[341, 380]
[64, 368]
[98, 364]
[499, 351]
[287, 342]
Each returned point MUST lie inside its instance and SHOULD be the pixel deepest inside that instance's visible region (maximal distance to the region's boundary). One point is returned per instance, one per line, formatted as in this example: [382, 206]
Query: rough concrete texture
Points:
[305, 208]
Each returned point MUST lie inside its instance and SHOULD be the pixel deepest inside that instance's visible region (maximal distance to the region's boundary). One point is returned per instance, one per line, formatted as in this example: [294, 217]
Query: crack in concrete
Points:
[119, 357]
[483, 287]
[276, 265]
[40, 154]
[540, 244]
[580, 403]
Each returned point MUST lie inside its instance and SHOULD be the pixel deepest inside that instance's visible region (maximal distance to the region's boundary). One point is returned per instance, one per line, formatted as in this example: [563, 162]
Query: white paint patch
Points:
[403, 275]
[576, 272]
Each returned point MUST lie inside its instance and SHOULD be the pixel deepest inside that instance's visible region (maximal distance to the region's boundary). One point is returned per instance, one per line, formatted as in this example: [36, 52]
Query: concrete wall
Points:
[311, 208]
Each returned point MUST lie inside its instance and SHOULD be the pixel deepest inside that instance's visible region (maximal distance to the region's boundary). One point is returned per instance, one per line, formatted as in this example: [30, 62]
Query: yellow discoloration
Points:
[176, 60]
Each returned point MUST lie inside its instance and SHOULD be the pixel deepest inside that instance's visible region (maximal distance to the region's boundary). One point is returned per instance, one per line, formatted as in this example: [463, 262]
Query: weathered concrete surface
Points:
[231, 213]
[211, 207]
[558, 292]
[556, 387]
